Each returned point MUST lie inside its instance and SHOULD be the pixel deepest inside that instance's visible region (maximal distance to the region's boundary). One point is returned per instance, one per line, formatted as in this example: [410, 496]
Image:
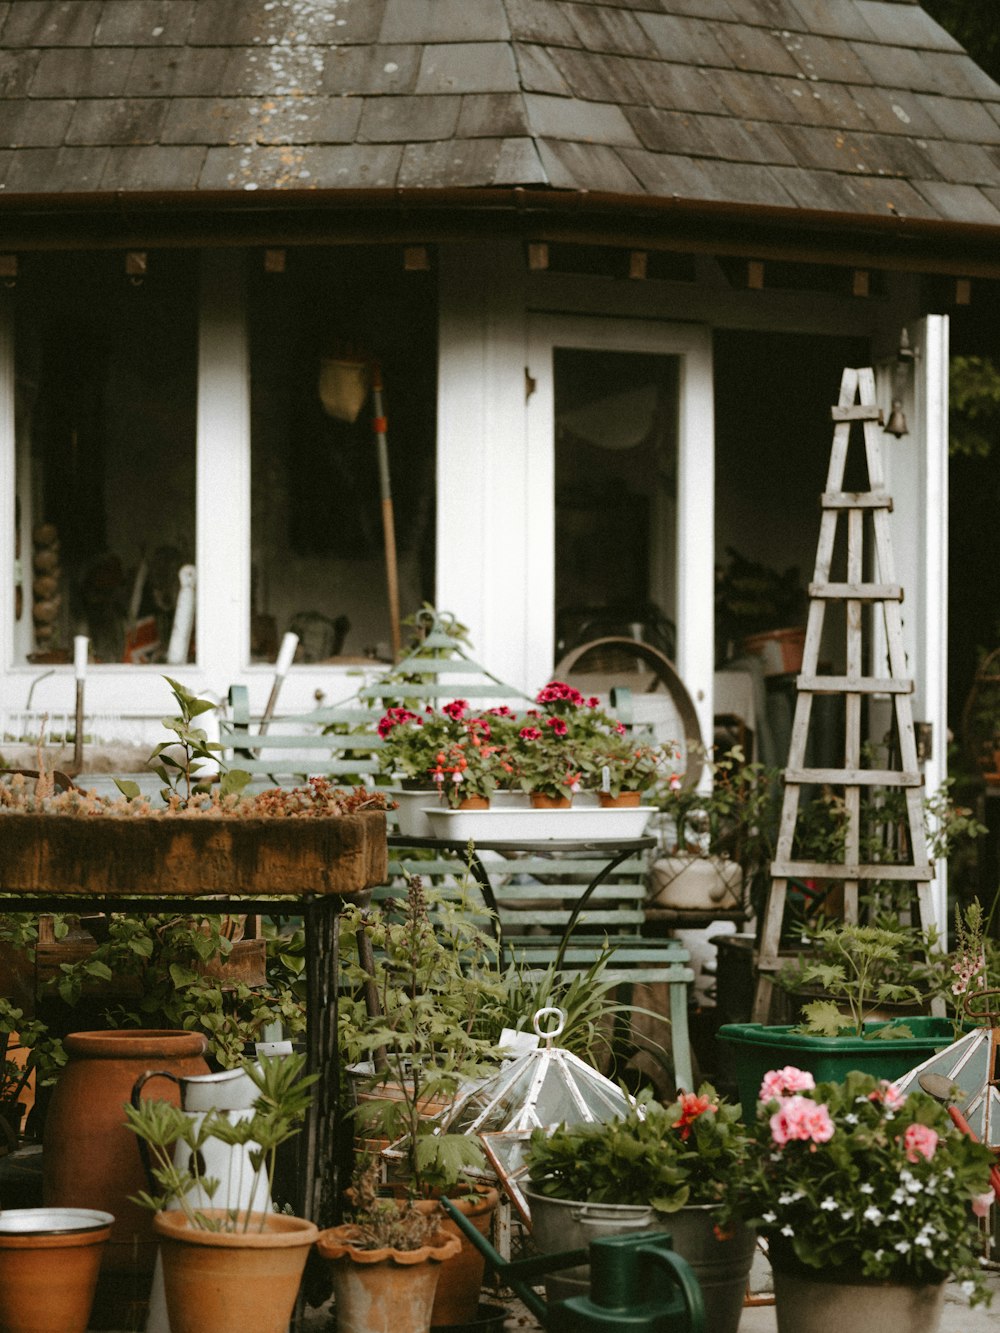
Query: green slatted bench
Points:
[536, 896]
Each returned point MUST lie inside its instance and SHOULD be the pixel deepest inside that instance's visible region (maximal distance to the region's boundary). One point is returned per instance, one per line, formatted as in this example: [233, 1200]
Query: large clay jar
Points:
[90, 1159]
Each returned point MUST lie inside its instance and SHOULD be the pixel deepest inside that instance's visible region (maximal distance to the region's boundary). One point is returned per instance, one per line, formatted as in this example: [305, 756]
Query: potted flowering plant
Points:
[465, 772]
[622, 768]
[662, 1167]
[545, 765]
[412, 741]
[549, 748]
[869, 1200]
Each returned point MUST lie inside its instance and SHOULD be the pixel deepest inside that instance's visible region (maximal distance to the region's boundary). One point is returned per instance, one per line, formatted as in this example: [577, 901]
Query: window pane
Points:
[319, 565]
[616, 496]
[105, 422]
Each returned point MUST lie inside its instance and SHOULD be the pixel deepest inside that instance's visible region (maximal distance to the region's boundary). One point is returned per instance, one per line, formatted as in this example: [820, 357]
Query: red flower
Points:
[530, 734]
[692, 1106]
[593, 702]
[456, 710]
[558, 726]
[557, 692]
[396, 717]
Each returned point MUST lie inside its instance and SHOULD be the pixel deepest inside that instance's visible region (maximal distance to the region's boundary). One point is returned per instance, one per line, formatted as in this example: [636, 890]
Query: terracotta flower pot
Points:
[541, 800]
[91, 1159]
[456, 1300]
[474, 803]
[385, 1289]
[624, 800]
[49, 1261]
[233, 1282]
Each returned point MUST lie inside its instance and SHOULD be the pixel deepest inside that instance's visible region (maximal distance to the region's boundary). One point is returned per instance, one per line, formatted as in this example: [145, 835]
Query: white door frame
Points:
[692, 344]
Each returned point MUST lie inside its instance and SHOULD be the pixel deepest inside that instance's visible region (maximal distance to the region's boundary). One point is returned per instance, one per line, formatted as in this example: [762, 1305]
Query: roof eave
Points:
[291, 216]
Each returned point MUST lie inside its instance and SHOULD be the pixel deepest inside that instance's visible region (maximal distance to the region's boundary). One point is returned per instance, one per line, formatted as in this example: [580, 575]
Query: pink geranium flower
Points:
[801, 1118]
[530, 734]
[888, 1094]
[920, 1141]
[456, 710]
[780, 1082]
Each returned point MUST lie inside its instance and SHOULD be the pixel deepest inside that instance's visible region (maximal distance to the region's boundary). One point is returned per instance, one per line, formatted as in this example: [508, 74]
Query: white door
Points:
[620, 487]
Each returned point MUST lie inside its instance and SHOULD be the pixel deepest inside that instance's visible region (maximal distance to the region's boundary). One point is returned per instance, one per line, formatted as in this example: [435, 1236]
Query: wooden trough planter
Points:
[157, 857]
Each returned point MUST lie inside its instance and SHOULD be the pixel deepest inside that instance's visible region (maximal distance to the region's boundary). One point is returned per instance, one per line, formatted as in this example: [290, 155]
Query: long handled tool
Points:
[344, 382]
[941, 1088]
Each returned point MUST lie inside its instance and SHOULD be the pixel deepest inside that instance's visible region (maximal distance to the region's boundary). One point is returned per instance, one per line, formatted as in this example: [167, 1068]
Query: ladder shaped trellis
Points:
[879, 590]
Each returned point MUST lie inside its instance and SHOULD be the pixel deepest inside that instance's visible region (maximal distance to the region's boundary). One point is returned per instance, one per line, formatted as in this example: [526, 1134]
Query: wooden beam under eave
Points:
[100, 230]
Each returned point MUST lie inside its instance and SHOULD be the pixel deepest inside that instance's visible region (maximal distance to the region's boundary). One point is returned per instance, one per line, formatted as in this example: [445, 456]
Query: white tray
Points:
[577, 824]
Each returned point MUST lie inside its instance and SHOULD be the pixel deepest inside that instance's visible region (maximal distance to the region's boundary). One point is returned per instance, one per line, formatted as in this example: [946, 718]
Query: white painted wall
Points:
[495, 561]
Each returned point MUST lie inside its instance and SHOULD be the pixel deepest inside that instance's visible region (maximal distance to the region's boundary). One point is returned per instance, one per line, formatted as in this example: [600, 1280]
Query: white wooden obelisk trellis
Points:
[880, 591]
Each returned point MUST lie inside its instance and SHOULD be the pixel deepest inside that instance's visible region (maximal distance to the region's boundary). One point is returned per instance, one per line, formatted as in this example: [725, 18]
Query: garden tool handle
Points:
[136, 1099]
[960, 1122]
[681, 1274]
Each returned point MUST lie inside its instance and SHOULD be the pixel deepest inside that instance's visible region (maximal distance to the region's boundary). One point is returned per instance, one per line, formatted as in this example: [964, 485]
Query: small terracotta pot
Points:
[383, 1289]
[49, 1261]
[624, 800]
[233, 1282]
[474, 803]
[541, 800]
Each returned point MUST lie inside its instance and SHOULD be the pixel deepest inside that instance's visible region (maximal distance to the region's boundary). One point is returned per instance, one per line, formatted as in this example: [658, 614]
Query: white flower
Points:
[967, 1288]
[792, 1196]
[879, 1254]
[829, 1205]
[898, 1196]
[850, 1119]
[769, 1217]
[847, 1214]
[866, 1188]
[902, 1246]
[873, 1214]
[948, 1173]
[787, 1231]
[897, 1216]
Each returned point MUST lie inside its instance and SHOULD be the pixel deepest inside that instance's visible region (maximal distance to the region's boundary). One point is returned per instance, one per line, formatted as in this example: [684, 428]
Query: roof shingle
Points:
[863, 107]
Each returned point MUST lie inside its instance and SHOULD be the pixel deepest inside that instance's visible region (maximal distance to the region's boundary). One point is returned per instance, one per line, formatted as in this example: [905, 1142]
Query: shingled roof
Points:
[859, 107]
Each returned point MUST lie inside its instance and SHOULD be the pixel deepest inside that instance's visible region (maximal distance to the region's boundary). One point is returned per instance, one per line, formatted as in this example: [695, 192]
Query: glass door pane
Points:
[616, 430]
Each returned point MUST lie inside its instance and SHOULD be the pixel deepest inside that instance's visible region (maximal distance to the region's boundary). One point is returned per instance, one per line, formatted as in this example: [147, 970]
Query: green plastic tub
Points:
[757, 1048]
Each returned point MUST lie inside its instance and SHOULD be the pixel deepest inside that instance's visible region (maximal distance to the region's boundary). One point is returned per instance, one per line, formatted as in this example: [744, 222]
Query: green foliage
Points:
[429, 975]
[154, 964]
[974, 406]
[848, 1183]
[851, 967]
[586, 998]
[278, 1112]
[182, 759]
[664, 1157]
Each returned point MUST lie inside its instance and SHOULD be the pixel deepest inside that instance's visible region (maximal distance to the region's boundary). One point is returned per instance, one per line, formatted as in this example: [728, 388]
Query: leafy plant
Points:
[852, 969]
[853, 1176]
[666, 1157]
[629, 764]
[383, 1223]
[278, 1112]
[429, 975]
[586, 999]
[183, 759]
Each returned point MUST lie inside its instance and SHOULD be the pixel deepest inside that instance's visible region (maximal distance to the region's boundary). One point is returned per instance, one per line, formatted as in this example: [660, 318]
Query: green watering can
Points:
[637, 1284]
